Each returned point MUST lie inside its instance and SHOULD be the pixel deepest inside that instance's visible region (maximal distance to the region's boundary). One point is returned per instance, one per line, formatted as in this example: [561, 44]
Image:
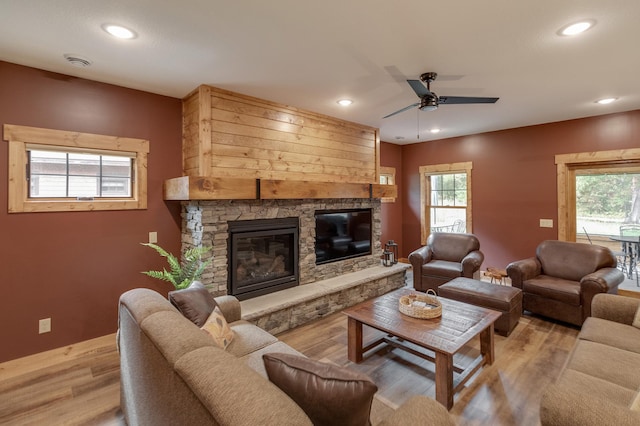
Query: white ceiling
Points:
[309, 54]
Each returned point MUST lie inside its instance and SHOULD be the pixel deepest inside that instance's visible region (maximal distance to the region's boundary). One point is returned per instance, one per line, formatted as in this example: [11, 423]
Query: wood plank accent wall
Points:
[229, 135]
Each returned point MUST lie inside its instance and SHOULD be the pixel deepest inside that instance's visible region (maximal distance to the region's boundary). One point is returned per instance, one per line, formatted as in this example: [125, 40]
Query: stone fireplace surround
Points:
[205, 223]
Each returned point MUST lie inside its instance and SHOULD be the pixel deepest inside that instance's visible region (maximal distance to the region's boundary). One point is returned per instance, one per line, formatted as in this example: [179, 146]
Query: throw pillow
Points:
[218, 328]
[635, 404]
[636, 319]
[328, 394]
[194, 302]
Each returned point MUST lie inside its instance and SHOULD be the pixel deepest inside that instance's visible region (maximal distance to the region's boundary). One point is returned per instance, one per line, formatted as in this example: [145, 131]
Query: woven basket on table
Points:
[406, 305]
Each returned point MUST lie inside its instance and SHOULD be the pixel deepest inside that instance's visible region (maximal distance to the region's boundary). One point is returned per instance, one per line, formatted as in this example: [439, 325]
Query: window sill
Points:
[31, 206]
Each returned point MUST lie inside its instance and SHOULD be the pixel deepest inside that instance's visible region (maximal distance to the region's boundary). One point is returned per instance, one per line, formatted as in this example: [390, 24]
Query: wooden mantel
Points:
[237, 147]
[213, 188]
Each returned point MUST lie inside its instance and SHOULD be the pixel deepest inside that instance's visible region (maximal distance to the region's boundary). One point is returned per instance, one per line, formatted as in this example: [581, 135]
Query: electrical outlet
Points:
[153, 237]
[44, 325]
[546, 223]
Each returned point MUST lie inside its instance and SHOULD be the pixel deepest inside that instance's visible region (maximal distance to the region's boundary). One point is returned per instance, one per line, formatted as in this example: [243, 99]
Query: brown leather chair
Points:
[445, 257]
[561, 280]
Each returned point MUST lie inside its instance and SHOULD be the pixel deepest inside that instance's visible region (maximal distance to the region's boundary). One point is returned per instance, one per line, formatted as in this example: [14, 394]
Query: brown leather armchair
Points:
[561, 280]
[445, 257]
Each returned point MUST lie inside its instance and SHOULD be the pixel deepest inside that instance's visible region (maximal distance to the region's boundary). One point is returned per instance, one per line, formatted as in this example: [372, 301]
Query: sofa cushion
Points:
[611, 333]
[248, 338]
[413, 413]
[607, 363]
[584, 382]
[554, 288]
[328, 394]
[254, 359]
[177, 339]
[144, 302]
[194, 302]
[216, 326]
[615, 308]
[442, 268]
[235, 394]
[573, 403]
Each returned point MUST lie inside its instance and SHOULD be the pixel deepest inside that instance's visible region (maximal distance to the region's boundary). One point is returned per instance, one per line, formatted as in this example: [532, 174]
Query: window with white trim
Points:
[54, 170]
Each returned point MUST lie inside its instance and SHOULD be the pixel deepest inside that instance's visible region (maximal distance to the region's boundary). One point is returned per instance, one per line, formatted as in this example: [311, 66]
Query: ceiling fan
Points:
[430, 101]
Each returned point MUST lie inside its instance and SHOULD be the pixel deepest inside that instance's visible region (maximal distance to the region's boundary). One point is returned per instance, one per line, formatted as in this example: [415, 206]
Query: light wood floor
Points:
[506, 393]
[75, 385]
[79, 384]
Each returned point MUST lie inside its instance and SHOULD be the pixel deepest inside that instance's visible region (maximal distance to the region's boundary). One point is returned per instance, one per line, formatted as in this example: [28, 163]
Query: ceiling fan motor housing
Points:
[429, 102]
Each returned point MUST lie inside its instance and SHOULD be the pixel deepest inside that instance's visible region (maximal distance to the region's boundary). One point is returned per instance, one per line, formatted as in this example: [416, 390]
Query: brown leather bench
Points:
[505, 299]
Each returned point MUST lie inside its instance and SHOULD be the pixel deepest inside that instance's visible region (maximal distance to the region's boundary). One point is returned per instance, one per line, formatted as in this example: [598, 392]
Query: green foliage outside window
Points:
[449, 189]
[609, 196]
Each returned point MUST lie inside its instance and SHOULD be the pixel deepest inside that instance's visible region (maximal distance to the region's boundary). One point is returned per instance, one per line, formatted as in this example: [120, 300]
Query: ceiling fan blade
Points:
[402, 110]
[419, 88]
[465, 100]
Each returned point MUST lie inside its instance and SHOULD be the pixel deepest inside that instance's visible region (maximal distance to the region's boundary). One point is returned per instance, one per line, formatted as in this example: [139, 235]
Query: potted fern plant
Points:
[181, 274]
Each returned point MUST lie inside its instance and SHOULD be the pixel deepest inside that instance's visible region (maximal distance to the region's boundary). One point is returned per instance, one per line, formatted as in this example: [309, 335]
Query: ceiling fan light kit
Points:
[429, 101]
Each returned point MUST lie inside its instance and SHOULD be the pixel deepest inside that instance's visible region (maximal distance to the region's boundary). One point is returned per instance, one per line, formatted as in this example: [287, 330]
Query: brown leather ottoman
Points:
[506, 299]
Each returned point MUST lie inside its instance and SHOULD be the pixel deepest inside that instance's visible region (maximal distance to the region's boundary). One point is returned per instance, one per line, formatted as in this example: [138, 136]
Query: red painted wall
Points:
[391, 156]
[513, 179]
[72, 267]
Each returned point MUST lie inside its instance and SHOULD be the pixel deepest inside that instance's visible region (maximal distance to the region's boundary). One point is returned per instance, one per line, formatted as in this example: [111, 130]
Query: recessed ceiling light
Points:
[119, 31]
[577, 27]
[606, 101]
[435, 130]
[345, 102]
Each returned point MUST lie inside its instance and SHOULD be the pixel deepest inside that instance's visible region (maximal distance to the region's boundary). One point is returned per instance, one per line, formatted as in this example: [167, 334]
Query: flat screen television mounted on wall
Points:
[342, 234]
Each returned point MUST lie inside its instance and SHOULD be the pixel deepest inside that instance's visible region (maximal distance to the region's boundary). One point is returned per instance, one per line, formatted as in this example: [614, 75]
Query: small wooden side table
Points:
[496, 274]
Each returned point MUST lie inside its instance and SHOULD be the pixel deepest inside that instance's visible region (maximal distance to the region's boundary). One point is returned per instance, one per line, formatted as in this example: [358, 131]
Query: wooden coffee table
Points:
[443, 336]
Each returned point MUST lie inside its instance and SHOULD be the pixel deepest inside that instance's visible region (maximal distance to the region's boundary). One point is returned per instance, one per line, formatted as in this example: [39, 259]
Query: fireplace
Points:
[263, 256]
[207, 223]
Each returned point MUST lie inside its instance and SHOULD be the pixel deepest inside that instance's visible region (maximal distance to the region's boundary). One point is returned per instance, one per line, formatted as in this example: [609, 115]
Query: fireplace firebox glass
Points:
[263, 256]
